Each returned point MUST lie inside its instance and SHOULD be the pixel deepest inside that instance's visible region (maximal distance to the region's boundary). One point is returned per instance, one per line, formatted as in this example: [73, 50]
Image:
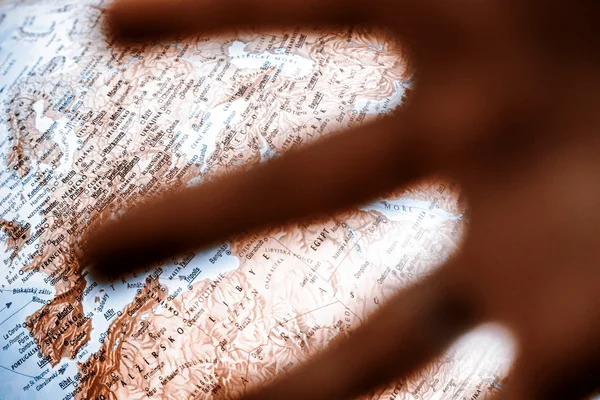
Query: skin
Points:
[506, 103]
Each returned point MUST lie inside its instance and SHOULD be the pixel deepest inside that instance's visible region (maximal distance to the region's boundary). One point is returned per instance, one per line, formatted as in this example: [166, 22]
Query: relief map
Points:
[88, 127]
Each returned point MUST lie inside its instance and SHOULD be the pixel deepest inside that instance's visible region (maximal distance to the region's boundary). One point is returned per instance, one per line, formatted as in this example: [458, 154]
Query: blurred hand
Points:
[507, 103]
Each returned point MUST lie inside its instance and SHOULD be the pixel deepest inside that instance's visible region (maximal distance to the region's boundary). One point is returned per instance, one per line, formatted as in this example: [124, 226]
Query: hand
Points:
[506, 102]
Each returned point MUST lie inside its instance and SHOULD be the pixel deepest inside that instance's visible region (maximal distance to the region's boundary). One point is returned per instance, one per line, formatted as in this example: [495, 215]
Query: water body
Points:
[405, 209]
[5, 33]
[64, 137]
[291, 65]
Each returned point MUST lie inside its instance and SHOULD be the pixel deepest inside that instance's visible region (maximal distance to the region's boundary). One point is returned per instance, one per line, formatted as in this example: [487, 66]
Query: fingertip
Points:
[118, 19]
[134, 21]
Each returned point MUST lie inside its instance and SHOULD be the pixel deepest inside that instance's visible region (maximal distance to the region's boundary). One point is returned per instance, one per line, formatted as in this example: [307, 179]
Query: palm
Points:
[531, 253]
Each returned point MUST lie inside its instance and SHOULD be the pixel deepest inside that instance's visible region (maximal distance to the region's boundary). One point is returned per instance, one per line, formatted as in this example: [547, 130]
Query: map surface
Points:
[88, 128]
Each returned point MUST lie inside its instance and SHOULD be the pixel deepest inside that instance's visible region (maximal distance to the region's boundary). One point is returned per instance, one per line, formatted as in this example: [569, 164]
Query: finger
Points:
[150, 19]
[532, 384]
[143, 19]
[570, 371]
[406, 333]
[339, 171]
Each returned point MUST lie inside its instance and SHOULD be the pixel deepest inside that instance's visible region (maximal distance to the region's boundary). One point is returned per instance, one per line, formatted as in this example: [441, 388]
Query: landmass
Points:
[91, 128]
